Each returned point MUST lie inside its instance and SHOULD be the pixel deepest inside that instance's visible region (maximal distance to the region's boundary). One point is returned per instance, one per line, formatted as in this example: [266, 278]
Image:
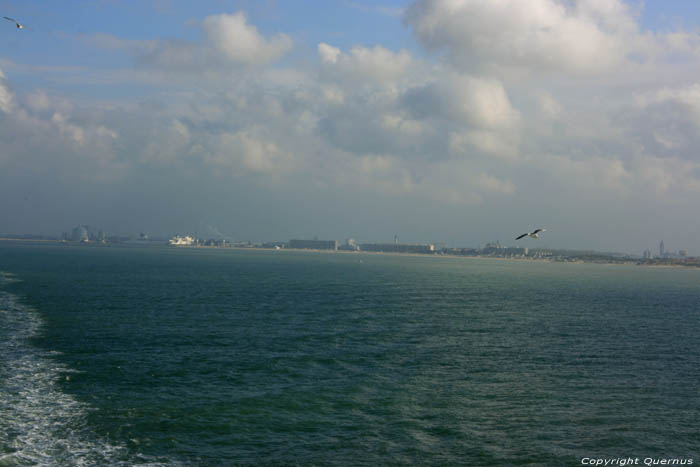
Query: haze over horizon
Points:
[458, 121]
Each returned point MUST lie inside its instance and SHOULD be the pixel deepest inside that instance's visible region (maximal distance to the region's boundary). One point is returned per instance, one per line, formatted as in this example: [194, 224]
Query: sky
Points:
[453, 121]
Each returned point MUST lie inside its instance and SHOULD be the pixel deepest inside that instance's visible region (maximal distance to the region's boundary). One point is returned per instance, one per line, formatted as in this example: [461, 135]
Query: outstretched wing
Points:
[536, 231]
[521, 236]
[10, 19]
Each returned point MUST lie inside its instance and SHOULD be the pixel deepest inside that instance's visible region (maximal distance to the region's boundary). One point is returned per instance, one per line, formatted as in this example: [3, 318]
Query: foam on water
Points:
[39, 423]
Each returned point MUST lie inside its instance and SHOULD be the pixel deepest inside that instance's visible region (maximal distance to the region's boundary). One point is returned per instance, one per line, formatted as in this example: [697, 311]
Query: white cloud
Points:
[585, 36]
[533, 34]
[38, 101]
[328, 53]
[72, 131]
[404, 127]
[51, 136]
[597, 173]
[240, 42]
[479, 102]
[168, 141]
[377, 64]
[486, 142]
[246, 152]
[685, 99]
[671, 179]
[664, 122]
[379, 173]
[6, 96]
[549, 107]
[230, 42]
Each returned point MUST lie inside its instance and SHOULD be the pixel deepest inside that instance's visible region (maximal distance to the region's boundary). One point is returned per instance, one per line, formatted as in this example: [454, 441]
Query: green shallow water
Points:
[122, 356]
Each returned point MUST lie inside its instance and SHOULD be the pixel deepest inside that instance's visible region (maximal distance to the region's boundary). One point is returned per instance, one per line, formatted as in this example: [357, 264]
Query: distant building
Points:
[220, 242]
[182, 241]
[84, 233]
[661, 249]
[80, 234]
[349, 245]
[314, 244]
[682, 253]
[398, 247]
[492, 249]
[496, 249]
[514, 251]
[461, 251]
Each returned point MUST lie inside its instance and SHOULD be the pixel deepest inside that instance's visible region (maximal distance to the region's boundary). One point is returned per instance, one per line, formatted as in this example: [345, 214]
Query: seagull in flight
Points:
[534, 234]
[19, 25]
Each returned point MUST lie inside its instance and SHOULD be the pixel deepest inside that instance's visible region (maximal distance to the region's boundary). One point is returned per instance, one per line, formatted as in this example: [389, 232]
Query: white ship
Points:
[181, 241]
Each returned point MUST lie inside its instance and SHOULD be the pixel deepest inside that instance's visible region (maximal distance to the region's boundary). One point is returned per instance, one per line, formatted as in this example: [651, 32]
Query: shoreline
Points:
[573, 260]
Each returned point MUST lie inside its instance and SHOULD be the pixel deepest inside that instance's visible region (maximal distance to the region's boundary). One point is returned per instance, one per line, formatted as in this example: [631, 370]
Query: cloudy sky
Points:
[458, 121]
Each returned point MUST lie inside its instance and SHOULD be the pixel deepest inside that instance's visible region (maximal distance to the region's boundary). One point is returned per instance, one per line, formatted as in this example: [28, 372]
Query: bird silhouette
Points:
[17, 23]
[534, 234]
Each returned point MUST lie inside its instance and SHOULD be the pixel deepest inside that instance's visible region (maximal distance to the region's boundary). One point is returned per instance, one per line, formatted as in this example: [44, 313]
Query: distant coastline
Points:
[588, 258]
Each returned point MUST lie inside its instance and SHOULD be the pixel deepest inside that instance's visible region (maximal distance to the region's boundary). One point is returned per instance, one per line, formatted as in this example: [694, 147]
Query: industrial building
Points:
[182, 241]
[84, 233]
[79, 234]
[398, 247]
[314, 244]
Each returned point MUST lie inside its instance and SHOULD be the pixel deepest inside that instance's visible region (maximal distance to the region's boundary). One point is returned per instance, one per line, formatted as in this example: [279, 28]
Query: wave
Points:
[39, 423]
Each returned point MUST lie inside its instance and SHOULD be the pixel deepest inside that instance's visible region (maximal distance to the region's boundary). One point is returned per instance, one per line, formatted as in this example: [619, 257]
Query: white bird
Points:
[19, 26]
[534, 234]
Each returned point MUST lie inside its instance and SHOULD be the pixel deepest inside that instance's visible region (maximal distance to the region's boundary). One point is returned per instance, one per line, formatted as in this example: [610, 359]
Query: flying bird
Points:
[19, 25]
[534, 234]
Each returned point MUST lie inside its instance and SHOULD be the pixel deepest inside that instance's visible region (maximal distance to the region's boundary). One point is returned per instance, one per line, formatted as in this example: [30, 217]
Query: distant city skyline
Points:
[85, 233]
[438, 121]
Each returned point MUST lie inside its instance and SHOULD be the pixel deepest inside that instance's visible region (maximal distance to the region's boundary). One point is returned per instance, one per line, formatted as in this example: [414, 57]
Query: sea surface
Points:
[162, 356]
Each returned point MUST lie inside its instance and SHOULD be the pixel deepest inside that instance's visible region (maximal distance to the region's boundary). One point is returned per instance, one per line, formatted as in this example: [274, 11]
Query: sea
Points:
[128, 355]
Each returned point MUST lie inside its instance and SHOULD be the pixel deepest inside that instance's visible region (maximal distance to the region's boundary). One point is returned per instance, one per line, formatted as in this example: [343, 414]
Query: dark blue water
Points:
[124, 356]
